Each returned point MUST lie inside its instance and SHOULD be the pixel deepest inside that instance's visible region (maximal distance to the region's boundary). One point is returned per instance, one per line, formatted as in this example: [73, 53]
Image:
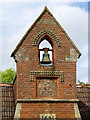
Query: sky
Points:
[16, 18]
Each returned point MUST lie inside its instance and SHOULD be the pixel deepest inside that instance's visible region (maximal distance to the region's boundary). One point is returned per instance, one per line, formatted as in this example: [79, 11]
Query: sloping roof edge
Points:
[23, 38]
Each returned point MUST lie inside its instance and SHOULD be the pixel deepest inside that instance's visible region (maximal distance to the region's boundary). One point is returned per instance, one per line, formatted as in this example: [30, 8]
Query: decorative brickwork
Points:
[46, 32]
[46, 89]
[46, 73]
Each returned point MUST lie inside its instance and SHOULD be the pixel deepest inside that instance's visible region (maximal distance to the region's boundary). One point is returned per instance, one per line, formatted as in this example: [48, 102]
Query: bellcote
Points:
[47, 27]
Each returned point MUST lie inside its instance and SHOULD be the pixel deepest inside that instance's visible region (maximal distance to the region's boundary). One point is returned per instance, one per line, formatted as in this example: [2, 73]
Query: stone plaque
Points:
[48, 116]
[47, 87]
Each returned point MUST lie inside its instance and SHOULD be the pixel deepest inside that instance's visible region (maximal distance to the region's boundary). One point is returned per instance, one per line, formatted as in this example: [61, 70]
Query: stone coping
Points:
[47, 100]
[5, 84]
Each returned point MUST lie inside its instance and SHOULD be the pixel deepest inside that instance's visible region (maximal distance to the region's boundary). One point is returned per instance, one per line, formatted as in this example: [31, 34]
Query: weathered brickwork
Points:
[46, 87]
[43, 32]
[63, 110]
[33, 79]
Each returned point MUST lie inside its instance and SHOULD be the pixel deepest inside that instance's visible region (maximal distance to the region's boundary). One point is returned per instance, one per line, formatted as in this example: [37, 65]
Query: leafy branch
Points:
[7, 76]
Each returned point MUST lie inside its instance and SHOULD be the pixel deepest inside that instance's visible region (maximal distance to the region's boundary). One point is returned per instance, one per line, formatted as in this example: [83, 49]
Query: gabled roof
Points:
[43, 12]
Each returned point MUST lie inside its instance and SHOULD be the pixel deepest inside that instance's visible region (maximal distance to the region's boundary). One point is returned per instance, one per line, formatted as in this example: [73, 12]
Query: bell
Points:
[46, 57]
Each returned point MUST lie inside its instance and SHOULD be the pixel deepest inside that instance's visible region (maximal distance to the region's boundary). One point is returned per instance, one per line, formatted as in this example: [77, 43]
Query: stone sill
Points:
[47, 100]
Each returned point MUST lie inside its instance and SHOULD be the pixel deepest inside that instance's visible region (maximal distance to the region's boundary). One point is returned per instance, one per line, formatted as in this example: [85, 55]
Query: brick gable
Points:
[37, 84]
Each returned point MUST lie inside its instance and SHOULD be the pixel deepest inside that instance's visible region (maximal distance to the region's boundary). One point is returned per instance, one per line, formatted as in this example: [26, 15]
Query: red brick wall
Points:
[60, 64]
[64, 111]
[29, 61]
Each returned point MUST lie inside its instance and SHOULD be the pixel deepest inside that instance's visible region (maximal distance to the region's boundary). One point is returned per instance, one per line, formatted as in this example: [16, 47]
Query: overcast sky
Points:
[16, 18]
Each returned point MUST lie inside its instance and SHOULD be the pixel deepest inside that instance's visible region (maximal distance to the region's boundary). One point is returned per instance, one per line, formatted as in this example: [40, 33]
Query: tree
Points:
[80, 82]
[83, 84]
[7, 76]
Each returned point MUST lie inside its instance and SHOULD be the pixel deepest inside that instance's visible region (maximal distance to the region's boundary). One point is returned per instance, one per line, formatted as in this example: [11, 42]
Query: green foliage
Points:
[7, 76]
[81, 82]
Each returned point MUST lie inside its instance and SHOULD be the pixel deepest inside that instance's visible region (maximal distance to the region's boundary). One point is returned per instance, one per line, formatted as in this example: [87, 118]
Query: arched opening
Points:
[45, 52]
